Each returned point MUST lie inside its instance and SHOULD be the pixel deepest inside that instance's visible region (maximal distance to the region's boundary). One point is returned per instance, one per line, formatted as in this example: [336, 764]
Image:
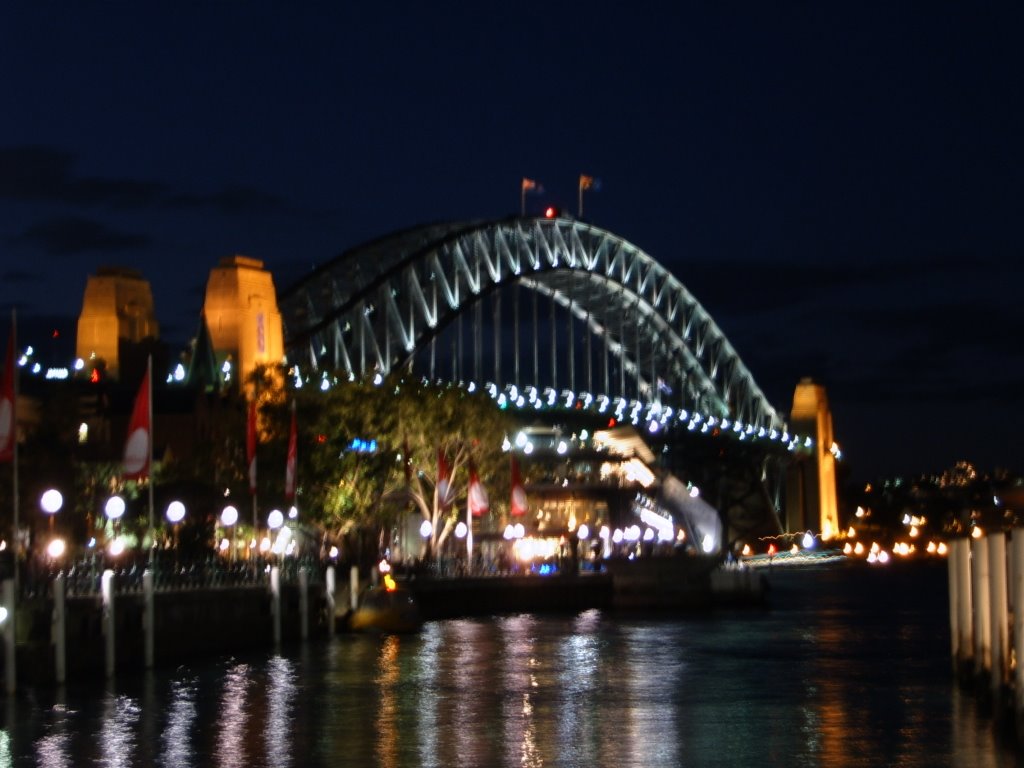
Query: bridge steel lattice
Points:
[585, 309]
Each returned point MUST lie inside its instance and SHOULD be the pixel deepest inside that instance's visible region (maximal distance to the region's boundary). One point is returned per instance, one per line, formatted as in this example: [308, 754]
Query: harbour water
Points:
[846, 667]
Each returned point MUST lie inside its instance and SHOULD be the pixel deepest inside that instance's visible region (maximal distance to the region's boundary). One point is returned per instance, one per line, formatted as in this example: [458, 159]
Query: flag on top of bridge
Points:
[519, 504]
[444, 480]
[138, 449]
[8, 423]
[529, 185]
[250, 445]
[293, 455]
[476, 498]
[586, 183]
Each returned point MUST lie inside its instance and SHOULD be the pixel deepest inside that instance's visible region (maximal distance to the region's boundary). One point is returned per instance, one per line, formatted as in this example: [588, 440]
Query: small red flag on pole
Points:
[139, 445]
[477, 500]
[444, 480]
[519, 504]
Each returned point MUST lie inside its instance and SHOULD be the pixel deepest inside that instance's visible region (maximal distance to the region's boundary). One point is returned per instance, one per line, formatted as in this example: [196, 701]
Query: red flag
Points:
[8, 423]
[444, 480]
[137, 449]
[519, 505]
[250, 446]
[293, 453]
[476, 498]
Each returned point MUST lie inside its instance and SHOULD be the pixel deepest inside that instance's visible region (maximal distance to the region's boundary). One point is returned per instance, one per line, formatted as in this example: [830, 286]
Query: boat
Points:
[387, 607]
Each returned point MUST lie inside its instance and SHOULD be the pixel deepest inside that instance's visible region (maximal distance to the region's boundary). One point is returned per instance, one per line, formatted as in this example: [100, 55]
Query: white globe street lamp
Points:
[228, 518]
[51, 501]
[275, 519]
[114, 508]
[175, 512]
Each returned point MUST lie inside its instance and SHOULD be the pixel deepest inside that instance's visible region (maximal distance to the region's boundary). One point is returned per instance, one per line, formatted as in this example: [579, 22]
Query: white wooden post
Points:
[980, 579]
[954, 603]
[59, 630]
[10, 638]
[275, 603]
[1017, 600]
[329, 589]
[965, 621]
[303, 603]
[1000, 631]
[148, 616]
[107, 596]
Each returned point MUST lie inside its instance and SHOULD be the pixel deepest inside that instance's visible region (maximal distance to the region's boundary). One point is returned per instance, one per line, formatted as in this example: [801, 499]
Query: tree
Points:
[368, 452]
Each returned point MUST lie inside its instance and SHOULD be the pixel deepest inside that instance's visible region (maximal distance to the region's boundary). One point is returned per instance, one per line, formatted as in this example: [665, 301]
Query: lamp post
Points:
[175, 514]
[228, 518]
[114, 510]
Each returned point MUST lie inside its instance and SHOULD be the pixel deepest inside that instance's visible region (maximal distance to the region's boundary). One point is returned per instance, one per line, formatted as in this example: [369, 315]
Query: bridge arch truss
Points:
[552, 304]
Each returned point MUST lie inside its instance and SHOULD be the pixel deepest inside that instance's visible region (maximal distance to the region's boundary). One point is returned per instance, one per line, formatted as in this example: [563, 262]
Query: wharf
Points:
[671, 583]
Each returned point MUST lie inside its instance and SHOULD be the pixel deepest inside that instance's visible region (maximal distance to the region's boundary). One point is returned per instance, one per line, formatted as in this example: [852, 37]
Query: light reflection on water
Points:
[839, 677]
[280, 691]
[231, 725]
[117, 738]
[181, 715]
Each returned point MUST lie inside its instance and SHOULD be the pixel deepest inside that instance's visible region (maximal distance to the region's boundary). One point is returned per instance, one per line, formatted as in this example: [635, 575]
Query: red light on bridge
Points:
[611, 422]
[551, 212]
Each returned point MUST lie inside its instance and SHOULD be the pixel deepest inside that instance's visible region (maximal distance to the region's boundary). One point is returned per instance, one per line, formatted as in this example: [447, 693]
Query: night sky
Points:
[840, 185]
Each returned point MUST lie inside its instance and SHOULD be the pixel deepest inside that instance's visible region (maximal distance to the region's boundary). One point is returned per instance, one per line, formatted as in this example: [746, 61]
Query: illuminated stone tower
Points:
[117, 309]
[242, 316]
[811, 483]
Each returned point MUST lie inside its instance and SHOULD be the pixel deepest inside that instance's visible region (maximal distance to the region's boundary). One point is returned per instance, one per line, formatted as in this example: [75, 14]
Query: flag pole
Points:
[253, 487]
[579, 206]
[14, 445]
[469, 538]
[149, 403]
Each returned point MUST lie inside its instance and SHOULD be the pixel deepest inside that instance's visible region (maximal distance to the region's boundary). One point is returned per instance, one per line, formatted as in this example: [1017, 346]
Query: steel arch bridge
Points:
[584, 308]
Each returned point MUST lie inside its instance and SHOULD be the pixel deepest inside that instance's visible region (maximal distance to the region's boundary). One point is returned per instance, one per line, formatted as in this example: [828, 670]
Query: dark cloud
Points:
[20, 276]
[71, 235]
[45, 174]
[745, 287]
[232, 201]
[37, 173]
